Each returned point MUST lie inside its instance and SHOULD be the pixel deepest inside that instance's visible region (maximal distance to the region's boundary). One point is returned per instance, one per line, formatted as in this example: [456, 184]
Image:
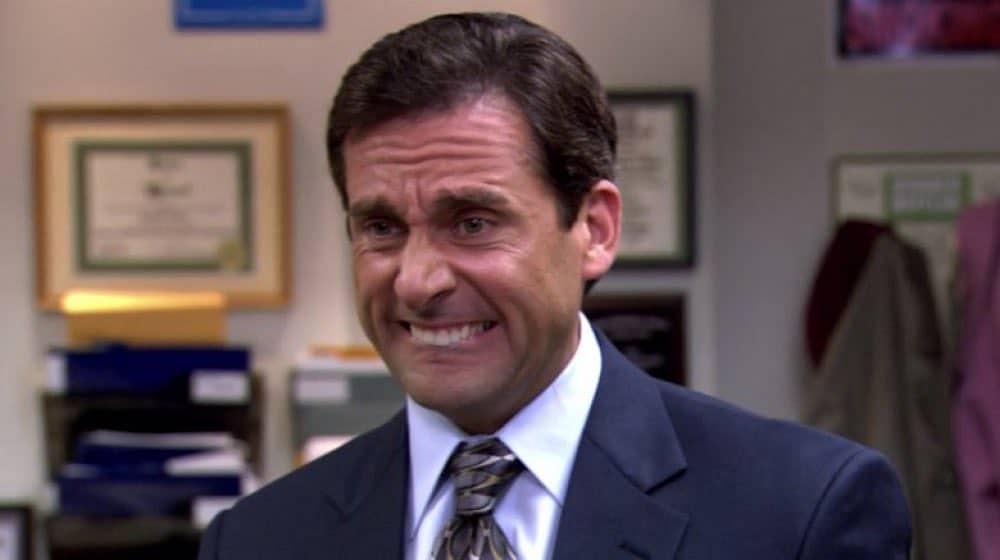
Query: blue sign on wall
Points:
[253, 14]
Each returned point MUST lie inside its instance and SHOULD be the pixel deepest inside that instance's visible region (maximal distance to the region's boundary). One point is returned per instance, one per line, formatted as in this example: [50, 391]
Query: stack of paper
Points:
[114, 474]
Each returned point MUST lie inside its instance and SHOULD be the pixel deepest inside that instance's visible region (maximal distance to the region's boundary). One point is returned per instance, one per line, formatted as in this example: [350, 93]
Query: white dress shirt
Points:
[544, 435]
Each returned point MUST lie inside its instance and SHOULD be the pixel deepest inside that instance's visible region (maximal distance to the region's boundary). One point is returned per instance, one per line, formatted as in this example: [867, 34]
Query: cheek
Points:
[373, 277]
[371, 270]
[498, 272]
[531, 282]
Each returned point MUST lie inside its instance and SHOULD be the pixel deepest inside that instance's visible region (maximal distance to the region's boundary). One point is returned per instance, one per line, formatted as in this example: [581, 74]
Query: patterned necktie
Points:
[482, 473]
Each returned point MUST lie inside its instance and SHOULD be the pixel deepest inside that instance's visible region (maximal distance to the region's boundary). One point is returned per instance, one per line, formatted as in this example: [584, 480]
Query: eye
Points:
[472, 225]
[380, 228]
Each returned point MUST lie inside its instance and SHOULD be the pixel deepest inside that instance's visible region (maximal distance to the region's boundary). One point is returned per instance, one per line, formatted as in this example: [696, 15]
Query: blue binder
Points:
[140, 371]
[119, 492]
[122, 474]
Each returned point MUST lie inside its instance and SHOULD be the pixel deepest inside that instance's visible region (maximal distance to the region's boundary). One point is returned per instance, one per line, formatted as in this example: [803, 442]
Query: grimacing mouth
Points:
[447, 336]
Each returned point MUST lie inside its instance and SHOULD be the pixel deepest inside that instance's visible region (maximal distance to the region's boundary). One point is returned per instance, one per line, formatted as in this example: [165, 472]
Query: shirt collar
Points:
[544, 434]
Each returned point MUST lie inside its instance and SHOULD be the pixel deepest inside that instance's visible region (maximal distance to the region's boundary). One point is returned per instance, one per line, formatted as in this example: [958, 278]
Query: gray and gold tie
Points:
[482, 473]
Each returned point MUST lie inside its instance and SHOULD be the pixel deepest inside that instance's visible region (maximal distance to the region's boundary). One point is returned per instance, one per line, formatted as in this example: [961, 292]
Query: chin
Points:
[451, 403]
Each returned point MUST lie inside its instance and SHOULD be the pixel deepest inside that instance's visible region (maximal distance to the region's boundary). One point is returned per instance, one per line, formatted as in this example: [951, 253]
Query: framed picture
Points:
[651, 331]
[892, 29]
[162, 197]
[16, 533]
[655, 173]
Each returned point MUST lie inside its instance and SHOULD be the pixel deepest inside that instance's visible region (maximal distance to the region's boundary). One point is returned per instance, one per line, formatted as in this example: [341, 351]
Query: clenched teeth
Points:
[447, 337]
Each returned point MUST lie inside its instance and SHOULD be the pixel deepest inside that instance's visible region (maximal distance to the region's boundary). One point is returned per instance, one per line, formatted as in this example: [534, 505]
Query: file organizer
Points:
[127, 501]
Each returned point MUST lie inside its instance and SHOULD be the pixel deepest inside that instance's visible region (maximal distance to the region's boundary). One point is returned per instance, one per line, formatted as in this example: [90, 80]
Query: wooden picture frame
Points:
[656, 174]
[163, 197]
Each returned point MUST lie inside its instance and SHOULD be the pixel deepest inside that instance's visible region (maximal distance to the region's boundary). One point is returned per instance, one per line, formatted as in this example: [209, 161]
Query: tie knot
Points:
[482, 472]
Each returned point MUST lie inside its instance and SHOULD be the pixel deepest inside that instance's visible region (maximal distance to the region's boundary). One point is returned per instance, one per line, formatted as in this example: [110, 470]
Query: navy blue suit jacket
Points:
[661, 473]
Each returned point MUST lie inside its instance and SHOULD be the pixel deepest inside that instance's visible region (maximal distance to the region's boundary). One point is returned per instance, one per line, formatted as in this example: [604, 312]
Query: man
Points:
[474, 155]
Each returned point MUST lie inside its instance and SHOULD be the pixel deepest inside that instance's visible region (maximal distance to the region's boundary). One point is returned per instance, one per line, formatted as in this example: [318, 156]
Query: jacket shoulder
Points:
[311, 500]
[353, 462]
[750, 475]
[714, 431]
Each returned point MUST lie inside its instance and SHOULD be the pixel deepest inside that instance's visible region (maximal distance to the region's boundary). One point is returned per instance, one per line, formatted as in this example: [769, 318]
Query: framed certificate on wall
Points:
[162, 198]
[655, 173]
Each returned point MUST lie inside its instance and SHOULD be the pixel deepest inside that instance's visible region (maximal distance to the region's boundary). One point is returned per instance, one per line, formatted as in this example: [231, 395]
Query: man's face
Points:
[465, 281]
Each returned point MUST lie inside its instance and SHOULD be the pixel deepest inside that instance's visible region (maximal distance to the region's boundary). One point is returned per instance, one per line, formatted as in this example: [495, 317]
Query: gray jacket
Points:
[882, 382]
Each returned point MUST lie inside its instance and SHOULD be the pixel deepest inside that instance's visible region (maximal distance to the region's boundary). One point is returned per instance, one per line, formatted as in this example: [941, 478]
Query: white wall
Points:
[127, 50]
[784, 109]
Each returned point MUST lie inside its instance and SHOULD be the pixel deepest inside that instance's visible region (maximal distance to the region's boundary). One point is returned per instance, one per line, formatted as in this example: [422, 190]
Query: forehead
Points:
[484, 136]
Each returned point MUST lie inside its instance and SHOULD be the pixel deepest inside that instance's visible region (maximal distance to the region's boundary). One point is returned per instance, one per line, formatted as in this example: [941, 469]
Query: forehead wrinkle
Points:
[486, 142]
[391, 171]
[472, 130]
[394, 172]
[395, 150]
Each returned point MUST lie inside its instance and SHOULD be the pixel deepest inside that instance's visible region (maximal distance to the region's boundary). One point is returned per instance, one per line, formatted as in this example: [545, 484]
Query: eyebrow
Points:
[449, 201]
[466, 197]
[371, 207]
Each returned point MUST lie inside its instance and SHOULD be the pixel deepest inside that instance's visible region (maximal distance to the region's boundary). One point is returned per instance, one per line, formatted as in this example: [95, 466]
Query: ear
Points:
[601, 216]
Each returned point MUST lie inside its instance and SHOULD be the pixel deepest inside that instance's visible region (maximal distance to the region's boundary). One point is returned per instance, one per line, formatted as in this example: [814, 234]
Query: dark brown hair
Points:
[441, 62]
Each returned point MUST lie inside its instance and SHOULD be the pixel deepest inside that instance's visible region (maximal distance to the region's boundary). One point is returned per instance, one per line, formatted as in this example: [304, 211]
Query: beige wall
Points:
[127, 50]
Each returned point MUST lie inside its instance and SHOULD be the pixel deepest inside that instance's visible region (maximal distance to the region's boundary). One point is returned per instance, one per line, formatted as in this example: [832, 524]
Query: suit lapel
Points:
[628, 451]
[372, 501]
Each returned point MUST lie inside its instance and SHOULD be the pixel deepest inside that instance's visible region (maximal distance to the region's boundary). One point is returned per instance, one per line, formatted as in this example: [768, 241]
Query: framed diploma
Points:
[649, 329]
[162, 197]
[15, 533]
[655, 173]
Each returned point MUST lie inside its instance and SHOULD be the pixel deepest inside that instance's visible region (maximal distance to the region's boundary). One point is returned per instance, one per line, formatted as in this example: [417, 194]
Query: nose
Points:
[424, 274]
